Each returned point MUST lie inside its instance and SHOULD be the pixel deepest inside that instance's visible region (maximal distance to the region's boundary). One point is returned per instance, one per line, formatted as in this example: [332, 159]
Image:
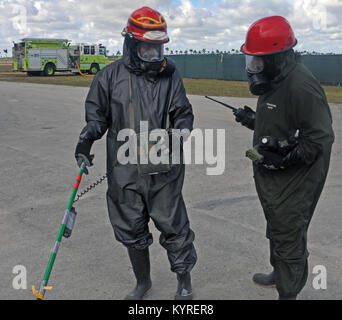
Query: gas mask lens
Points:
[254, 64]
[150, 52]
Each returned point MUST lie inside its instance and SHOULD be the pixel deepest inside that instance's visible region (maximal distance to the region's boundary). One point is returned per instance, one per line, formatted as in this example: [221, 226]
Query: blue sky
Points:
[192, 24]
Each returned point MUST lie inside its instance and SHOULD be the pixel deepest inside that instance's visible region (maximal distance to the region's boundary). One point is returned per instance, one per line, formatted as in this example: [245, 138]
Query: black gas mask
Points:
[143, 57]
[261, 70]
[151, 56]
[258, 81]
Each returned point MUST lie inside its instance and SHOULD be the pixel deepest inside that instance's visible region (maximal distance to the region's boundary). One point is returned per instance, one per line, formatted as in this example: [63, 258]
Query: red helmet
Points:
[269, 35]
[147, 25]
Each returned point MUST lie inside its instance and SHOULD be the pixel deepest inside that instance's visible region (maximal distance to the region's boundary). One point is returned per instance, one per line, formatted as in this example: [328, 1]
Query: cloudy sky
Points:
[192, 24]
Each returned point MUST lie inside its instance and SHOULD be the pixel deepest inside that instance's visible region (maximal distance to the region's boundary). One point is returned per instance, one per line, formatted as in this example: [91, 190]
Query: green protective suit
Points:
[289, 196]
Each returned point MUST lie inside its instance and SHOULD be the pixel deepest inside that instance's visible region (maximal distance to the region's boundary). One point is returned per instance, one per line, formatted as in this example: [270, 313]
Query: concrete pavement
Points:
[40, 125]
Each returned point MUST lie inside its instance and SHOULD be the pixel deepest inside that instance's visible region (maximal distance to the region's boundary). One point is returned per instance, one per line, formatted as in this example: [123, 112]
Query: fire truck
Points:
[38, 56]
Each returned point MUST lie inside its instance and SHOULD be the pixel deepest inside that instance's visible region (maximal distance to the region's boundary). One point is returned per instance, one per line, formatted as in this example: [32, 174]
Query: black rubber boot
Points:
[265, 280]
[184, 289]
[140, 260]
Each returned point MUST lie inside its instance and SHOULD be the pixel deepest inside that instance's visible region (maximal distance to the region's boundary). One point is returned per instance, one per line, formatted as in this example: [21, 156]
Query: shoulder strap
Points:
[168, 103]
[131, 108]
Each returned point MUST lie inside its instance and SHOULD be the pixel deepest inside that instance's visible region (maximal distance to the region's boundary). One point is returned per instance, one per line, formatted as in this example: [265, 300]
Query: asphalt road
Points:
[40, 125]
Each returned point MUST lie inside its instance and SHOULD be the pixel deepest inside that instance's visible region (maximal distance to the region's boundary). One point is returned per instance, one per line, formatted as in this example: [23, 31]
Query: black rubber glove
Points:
[296, 156]
[272, 160]
[246, 116]
[82, 153]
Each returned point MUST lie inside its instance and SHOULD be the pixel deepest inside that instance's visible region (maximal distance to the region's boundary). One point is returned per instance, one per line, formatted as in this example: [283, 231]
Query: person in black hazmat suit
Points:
[132, 198]
[293, 137]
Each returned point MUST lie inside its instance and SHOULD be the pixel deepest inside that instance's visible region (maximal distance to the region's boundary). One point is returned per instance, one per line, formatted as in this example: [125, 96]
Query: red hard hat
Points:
[147, 25]
[269, 35]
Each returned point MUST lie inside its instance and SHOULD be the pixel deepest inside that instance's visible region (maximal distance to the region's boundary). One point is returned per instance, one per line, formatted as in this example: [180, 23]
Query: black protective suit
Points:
[289, 197]
[133, 199]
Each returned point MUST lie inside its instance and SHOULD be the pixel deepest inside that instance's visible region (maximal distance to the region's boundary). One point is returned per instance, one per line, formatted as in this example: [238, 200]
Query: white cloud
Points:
[210, 24]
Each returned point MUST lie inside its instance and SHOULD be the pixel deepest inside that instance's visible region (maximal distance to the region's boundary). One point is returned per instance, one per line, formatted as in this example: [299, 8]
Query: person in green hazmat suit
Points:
[292, 141]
